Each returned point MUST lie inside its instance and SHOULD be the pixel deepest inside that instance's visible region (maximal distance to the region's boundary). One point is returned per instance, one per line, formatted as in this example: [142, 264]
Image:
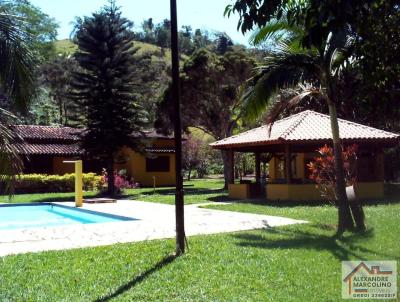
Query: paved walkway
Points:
[154, 221]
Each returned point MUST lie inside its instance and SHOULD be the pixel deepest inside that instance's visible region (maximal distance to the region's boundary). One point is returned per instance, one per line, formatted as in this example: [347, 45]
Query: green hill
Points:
[68, 47]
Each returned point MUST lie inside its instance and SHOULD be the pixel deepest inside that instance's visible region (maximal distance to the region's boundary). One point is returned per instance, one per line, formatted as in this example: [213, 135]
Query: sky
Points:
[203, 14]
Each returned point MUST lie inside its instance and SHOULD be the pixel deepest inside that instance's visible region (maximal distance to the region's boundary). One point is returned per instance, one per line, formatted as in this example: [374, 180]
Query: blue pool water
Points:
[49, 215]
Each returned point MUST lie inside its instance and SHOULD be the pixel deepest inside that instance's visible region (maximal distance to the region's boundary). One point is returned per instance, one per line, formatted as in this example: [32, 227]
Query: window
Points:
[157, 164]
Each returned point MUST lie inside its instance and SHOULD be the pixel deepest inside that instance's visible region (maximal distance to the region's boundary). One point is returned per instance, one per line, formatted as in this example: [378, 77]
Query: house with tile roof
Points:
[45, 148]
[288, 145]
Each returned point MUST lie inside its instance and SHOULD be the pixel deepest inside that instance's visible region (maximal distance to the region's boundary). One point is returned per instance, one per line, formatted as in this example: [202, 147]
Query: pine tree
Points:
[105, 86]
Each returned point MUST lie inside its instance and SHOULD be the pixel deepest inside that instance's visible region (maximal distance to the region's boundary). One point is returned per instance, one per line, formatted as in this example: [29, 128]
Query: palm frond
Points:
[280, 70]
[11, 163]
[338, 50]
[305, 92]
[275, 31]
[17, 61]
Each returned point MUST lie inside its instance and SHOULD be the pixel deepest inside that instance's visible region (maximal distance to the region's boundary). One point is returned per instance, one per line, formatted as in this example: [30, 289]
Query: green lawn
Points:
[292, 263]
[196, 191]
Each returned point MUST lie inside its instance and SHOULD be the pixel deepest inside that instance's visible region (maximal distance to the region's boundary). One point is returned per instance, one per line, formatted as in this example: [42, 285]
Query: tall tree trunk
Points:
[227, 168]
[65, 115]
[345, 220]
[189, 172]
[110, 176]
[60, 109]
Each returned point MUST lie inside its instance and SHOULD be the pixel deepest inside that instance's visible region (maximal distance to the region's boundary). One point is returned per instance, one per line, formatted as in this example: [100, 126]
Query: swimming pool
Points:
[50, 215]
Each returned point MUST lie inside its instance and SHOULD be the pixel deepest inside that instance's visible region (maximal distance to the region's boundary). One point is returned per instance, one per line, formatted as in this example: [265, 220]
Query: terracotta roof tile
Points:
[49, 149]
[53, 140]
[306, 126]
[34, 132]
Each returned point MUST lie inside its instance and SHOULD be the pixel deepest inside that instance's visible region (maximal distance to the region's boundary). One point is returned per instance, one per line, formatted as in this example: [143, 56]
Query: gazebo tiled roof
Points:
[306, 127]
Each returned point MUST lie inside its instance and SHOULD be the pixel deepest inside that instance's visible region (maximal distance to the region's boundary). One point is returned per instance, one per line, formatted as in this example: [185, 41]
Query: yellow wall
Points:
[309, 192]
[136, 167]
[239, 191]
[62, 168]
[369, 190]
[272, 168]
[292, 192]
[300, 166]
[296, 173]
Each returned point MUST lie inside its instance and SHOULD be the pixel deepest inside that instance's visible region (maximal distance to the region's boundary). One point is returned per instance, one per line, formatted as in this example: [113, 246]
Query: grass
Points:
[68, 47]
[292, 263]
[196, 191]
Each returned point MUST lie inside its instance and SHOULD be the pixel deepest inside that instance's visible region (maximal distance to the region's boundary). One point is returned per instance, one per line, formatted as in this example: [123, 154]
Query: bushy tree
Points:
[210, 95]
[56, 77]
[191, 155]
[35, 22]
[223, 43]
[314, 54]
[105, 87]
[162, 33]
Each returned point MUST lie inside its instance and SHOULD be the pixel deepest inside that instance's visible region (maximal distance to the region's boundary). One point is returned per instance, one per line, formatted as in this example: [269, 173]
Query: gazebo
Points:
[295, 140]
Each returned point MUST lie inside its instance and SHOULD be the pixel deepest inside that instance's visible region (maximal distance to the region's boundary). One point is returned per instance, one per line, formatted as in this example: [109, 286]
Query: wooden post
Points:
[179, 198]
[288, 165]
[231, 157]
[258, 167]
[379, 168]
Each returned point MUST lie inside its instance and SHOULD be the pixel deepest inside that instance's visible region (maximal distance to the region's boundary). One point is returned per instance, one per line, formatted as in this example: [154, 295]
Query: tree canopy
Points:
[210, 93]
[35, 22]
[105, 87]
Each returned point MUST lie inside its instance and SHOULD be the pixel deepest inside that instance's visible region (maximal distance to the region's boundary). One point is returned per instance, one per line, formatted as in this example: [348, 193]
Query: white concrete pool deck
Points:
[154, 221]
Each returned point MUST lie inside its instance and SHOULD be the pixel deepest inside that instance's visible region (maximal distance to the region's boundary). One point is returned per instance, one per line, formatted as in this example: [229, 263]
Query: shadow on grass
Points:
[136, 280]
[343, 248]
[392, 196]
[171, 191]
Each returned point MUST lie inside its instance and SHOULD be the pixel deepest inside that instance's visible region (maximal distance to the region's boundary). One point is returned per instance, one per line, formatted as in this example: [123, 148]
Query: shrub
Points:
[44, 183]
[121, 181]
[322, 170]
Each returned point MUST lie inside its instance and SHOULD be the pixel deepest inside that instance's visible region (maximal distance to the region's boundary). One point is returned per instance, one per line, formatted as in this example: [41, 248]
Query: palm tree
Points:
[318, 71]
[17, 64]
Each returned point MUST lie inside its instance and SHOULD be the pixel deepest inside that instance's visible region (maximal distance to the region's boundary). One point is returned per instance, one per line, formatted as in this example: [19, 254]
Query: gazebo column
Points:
[288, 166]
[258, 167]
[379, 165]
[231, 174]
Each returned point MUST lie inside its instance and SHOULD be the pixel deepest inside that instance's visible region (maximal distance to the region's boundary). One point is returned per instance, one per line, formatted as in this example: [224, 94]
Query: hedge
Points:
[44, 183]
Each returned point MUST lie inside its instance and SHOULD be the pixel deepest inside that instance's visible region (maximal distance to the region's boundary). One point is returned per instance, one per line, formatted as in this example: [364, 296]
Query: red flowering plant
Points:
[121, 181]
[322, 170]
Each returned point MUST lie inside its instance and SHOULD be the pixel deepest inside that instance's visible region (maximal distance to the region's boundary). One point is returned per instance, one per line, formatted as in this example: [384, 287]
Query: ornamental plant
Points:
[121, 181]
[322, 170]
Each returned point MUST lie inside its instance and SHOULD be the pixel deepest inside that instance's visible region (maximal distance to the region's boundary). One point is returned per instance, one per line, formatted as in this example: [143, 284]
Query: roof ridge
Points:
[247, 131]
[301, 116]
[366, 127]
[355, 123]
